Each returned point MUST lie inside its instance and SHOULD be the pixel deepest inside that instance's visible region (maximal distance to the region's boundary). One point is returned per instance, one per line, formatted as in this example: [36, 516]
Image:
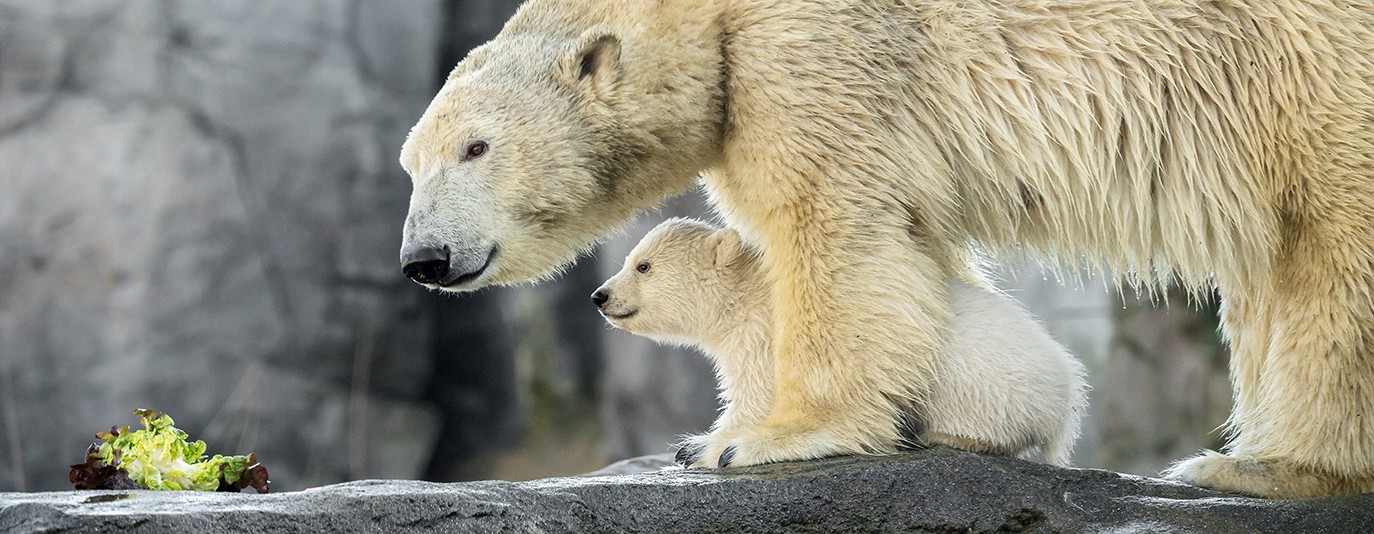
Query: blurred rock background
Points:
[200, 212]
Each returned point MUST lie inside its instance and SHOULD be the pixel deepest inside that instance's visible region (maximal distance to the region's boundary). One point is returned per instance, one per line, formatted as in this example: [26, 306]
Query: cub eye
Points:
[643, 267]
[475, 150]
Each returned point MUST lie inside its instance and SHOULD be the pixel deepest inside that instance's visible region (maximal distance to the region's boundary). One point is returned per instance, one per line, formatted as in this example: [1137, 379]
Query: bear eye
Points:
[643, 267]
[475, 150]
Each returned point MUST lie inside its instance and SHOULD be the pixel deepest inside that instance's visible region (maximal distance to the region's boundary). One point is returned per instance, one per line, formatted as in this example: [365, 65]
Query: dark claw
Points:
[726, 456]
[688, 454]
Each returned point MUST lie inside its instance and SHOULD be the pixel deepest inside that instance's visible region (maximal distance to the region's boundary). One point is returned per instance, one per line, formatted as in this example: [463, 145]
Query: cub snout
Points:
[612, 306]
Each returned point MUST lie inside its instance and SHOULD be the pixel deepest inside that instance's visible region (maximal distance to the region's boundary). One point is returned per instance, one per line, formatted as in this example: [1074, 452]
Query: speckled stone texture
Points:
[937, 490]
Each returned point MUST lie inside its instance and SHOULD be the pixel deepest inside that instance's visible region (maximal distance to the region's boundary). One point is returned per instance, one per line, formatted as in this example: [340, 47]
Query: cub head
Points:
[531, 151]
[674, 282]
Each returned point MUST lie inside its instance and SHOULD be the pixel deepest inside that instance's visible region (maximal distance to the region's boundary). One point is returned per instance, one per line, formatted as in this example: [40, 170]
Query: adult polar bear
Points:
[862, 144]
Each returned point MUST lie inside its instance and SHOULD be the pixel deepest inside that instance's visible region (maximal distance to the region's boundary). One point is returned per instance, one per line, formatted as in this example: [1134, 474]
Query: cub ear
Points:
[727, 246]
[592, 62]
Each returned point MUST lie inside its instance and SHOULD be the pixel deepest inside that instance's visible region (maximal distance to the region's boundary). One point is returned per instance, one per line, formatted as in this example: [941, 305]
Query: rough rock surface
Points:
[938, 490]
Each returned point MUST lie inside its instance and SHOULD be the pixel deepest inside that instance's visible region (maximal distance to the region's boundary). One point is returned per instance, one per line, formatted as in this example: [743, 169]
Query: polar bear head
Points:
[681, 280]
[538, 144]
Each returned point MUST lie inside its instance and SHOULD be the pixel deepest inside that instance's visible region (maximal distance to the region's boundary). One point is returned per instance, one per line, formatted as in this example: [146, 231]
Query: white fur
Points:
[1002, 379]
[1002, 384]
[862, 145]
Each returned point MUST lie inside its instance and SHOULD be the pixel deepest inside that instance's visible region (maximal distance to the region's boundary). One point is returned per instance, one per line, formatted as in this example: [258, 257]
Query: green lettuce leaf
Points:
[159, 457]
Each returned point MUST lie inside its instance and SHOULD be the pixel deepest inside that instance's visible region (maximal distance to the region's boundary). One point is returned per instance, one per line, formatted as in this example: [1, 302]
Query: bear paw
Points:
[703, 451]
[691, 450]
[1261, 478]
[768, 445]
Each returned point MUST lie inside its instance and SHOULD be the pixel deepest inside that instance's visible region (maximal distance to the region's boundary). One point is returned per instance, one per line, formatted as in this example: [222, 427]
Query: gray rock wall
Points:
[200, 215]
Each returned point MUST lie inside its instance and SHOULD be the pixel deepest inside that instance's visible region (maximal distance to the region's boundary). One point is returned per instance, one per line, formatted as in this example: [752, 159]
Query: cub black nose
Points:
[600, 297]
[426, 265]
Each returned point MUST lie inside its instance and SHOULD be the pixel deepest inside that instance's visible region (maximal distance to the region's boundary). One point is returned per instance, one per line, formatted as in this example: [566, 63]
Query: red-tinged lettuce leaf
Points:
[161, 457]
[251, 474]
[95, 474]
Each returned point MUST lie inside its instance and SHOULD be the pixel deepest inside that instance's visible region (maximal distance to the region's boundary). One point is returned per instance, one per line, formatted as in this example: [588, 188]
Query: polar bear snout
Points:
[613, 309]
[425, 264]
[440, 266]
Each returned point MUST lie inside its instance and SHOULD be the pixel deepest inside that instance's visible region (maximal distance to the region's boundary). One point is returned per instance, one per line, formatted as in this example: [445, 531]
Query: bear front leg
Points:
[747, 392]
[692, 449]
[1302, 368]
[859, 312]
[703, 450]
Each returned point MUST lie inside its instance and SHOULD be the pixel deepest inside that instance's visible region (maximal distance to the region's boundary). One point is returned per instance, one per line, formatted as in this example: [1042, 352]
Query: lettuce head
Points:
[159, 457]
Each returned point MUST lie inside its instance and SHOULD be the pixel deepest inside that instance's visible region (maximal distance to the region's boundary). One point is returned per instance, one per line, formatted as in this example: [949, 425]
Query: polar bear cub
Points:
[1003, 385]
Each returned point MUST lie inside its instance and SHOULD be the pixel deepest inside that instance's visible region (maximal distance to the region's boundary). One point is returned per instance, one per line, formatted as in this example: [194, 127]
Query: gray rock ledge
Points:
[936, 490]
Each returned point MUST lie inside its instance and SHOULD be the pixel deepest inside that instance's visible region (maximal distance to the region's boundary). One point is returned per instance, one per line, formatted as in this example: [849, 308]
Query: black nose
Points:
[600, 297]
[426, 265]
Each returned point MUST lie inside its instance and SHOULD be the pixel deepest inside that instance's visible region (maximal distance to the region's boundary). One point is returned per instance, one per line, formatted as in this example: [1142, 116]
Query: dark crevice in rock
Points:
[472, 383]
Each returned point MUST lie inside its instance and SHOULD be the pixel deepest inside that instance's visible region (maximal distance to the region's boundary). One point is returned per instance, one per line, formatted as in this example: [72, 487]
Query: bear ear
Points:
[476, 58]
[592, 62]
[727, 246]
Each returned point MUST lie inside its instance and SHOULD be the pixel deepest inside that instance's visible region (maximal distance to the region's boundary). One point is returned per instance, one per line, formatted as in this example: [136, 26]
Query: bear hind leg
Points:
[1302, 369]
